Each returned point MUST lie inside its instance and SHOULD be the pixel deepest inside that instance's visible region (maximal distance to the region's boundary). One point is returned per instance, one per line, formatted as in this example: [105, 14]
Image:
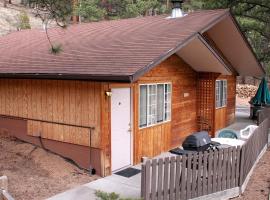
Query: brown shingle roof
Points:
[111, 50]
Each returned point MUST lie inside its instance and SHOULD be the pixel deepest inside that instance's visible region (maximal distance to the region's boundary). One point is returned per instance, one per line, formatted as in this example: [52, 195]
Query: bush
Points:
[24, 21]
[109, 196]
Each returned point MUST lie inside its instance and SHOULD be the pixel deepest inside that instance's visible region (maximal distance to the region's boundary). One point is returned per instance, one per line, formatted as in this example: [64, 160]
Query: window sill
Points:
[151, 126]
[221, 107]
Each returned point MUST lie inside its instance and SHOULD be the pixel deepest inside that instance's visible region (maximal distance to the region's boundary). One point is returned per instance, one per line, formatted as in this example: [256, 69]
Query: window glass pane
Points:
[221, 93]
[152, 104]
[143, 105]
[167, 105]
[160, 103]
[218, 94]
[224, 100]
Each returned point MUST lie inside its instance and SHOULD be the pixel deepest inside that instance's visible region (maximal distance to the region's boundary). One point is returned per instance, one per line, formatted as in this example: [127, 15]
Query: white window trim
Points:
[157, 123]
[225, 105]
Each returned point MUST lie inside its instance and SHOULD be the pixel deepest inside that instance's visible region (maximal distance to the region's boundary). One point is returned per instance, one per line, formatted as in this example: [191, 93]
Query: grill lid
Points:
[197, 140]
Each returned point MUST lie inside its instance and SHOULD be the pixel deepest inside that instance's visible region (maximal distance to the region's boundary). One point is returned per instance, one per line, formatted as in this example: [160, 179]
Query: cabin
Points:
[125, 89]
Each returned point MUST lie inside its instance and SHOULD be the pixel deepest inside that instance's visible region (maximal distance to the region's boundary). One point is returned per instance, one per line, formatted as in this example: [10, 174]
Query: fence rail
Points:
[195, 175]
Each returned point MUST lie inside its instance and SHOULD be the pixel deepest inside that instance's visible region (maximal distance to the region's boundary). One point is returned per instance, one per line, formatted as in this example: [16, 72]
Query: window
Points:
[155, 104]
[221, 93]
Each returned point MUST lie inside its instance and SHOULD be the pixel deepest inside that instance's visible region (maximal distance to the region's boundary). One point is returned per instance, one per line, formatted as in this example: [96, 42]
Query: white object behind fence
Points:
[247, 132]
[229, 141]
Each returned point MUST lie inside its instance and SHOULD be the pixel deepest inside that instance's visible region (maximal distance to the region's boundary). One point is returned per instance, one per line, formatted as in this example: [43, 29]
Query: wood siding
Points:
[225, 116]
[159, 138]
[220, 118]
[73, 103]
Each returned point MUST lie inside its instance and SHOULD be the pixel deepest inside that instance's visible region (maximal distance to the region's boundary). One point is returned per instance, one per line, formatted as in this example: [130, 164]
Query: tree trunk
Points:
[168, 4]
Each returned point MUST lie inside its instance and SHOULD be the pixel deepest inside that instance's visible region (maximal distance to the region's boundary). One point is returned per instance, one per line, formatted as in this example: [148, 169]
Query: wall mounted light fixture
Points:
[108, 94]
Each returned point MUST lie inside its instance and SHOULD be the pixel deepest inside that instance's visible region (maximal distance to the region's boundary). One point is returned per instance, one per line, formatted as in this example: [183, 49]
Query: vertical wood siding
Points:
[159, 138]
[225, 116]
[55, 101]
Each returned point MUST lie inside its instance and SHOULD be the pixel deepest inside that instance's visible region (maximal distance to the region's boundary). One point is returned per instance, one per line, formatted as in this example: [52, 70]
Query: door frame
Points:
[118, 86]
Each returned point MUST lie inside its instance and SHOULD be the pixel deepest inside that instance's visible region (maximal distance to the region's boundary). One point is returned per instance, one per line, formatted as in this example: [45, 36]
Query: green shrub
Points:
[24, 21]
[110, 196]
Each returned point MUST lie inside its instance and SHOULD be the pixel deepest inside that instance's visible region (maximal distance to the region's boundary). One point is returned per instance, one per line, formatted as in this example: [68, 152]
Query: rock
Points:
[246, 91]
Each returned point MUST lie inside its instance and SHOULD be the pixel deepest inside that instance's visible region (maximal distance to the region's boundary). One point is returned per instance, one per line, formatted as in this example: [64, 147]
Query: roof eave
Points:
[246, 41]
[86, 77]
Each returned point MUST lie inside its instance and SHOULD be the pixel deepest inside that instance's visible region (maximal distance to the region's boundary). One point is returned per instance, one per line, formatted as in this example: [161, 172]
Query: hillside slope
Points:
[9, 17]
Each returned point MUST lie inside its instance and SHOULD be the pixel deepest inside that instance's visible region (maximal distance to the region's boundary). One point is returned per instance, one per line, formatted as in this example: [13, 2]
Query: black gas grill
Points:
[200, 141]
[197, 142]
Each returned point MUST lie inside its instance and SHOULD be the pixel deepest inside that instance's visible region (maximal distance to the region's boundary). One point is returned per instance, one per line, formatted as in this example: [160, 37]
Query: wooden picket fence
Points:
[199, 174]
[252, 149]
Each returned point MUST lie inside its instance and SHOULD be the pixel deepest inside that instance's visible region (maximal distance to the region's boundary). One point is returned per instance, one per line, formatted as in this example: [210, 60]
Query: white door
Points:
[120, 128]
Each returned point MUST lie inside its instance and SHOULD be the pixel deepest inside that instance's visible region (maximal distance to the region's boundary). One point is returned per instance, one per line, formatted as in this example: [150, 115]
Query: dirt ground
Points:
[259, 183]
[9, 17]
[34, 173]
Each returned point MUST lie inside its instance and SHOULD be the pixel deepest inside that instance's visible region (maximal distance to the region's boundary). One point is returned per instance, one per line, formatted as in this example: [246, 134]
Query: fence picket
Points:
[147, 180]
[200, 175]
[154, 179]
[183, 178]
[237, 177]
[172, 178]
[160, 179]
[219, 170]
[215, 174]
[204, 183]
[224, 169]
[210, 172]
[229, 165]
[143, 181]
[166, 178]
[194, 176]
[189, 175]
[233, 172]
[178, 176]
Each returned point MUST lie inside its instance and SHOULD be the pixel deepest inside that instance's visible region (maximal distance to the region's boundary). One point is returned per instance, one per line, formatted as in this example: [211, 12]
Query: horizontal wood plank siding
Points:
[54, 101]
[159, 138]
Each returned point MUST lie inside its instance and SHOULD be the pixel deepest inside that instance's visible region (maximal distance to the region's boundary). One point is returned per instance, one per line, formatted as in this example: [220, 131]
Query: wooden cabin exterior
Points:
[107, 107]
[65, 111]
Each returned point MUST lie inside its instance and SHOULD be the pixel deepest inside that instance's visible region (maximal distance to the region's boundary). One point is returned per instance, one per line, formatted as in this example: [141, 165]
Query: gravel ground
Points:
[36, 174]
[259, 183]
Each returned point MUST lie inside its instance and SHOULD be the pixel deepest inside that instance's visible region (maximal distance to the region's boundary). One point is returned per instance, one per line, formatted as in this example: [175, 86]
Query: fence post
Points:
[242, 158]
[143, 180]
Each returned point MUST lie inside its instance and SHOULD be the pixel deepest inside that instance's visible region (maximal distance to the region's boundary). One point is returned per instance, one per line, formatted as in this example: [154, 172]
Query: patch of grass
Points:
[56, 49]
[110, 196]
